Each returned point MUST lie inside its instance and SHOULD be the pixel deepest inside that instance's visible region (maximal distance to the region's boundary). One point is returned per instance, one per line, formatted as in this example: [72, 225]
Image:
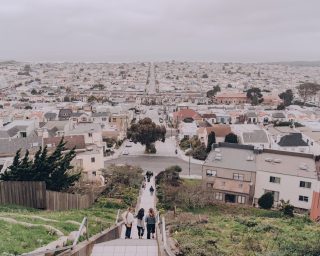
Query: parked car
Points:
[125, 152]
[128, 145]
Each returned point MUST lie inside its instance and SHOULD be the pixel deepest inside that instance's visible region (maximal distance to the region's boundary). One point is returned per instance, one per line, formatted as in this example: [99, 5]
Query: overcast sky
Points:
[140, 30]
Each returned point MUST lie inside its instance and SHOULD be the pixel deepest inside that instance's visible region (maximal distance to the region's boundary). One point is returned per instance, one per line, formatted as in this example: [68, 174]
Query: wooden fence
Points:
[34, 194]
[58, 201]
[25, 193]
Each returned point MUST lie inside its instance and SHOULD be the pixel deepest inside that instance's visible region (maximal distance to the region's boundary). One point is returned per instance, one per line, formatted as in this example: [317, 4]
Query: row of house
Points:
[242, 174]
[85, 131]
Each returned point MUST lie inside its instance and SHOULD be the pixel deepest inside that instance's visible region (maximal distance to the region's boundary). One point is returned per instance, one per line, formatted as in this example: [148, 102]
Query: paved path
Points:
[134, 246]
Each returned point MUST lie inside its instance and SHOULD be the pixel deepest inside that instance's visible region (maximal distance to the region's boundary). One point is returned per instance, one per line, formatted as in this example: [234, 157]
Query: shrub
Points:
[200, 153]
[286, 208]
[266, 201]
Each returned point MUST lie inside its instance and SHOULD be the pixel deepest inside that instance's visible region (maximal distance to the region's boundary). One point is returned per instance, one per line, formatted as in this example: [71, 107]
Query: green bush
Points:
[112, 203]
[286, 208]
[200, 153]
[266, 201]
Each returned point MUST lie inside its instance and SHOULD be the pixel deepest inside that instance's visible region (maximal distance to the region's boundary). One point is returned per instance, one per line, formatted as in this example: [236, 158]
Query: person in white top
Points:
[128, 221]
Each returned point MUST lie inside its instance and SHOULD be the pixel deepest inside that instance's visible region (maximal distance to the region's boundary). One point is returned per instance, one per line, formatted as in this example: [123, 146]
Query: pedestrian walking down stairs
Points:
[134, 245]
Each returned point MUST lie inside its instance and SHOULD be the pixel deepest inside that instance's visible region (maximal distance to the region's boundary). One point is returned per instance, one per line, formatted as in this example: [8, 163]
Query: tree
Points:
[266, 201]
[286, 208]
[91, 99]
[307, 90]
[200, 153]
[287, 97]
[255, 95]
[281, 107]
[169, 176]
[211, 140]
[214, 91]
[231, 138]
[28, 107]
[146, 132]
[34, 91]
[54, 169]
[66, 99]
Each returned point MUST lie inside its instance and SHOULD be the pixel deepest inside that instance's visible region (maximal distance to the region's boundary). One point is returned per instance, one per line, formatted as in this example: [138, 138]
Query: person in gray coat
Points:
[151, 223]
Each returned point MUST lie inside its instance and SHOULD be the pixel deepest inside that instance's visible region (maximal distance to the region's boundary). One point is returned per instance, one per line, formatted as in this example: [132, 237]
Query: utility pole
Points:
[189, 160]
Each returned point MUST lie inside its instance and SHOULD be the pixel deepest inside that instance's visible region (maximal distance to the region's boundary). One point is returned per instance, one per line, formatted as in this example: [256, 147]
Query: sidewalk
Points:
[118, 152]
[181, 155]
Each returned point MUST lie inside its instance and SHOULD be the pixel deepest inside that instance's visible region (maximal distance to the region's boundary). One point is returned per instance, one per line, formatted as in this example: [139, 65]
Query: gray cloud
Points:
[130, 30]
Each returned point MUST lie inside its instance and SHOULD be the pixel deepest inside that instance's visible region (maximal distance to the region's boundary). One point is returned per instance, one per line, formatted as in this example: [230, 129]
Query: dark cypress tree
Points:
[53, 169]
[24, 168]
[13, 171]
[40, 166]
[231, 138]
[211, 140]
[60, 178]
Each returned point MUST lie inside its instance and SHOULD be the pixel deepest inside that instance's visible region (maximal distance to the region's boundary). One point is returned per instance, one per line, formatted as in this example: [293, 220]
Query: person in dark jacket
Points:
[151, 223]
[140, 223]
[151, 190]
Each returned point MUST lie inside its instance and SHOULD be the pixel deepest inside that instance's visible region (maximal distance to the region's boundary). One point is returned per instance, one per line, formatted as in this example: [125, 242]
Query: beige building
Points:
[229, 171]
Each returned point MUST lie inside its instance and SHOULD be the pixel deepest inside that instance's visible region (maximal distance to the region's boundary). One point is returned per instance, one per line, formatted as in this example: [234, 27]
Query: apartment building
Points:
[242, 174]
[230, 172]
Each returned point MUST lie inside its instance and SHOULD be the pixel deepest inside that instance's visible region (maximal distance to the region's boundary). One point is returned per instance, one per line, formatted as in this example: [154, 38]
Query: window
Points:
[90, 134]
[241, 185]
[104, 119]
[219, 196]
[241, 199]
[114, 119]
[275, 179]
[23, 134]
[237, 176]
[305, 184]
[93, 159]
[211, 172]
[274, 193]
[303, 198]
[94, 173]
[209, 185]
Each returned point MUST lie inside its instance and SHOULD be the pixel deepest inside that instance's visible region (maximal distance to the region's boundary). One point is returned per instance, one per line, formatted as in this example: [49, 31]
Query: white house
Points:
[91, 161]
[92, 133]
[289, 176]
[187, 130]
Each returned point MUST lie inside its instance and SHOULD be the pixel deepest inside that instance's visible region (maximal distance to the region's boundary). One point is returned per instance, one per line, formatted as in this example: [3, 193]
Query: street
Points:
[157, 163]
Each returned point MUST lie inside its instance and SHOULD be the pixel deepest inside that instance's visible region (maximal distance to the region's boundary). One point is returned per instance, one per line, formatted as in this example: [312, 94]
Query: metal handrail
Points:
[161, 226]
[83, 224]
[117, 218]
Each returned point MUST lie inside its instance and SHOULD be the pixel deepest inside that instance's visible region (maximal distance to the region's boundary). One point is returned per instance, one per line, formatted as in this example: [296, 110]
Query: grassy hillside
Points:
[16, 238]
[242, 231]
